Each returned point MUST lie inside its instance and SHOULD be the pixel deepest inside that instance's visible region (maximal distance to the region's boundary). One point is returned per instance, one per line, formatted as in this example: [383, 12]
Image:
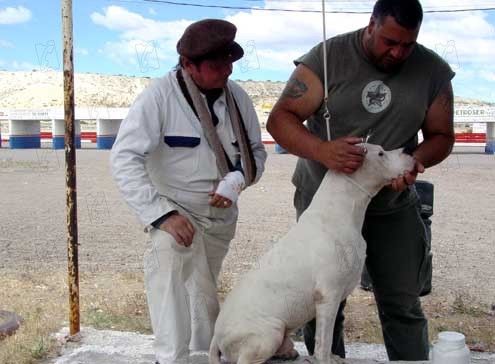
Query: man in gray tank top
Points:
[381, 83]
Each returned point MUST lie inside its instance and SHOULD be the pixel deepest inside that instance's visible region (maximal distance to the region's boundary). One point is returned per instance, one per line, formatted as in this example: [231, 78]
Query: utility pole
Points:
[70, 169]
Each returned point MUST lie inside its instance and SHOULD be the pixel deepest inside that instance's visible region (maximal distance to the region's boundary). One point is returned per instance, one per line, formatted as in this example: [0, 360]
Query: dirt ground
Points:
[33, 226]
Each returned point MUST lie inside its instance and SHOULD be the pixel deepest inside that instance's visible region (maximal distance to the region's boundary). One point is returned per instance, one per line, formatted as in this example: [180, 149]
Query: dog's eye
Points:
[380, 154]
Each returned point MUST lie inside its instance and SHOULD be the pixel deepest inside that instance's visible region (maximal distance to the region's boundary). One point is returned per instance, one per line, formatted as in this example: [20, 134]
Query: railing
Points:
[108, 120]
[470, 138]
[87, 136]
[90, 136]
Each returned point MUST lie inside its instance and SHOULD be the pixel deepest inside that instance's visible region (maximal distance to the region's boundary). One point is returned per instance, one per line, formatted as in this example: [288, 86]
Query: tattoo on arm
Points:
[447, 98]
[294, 88]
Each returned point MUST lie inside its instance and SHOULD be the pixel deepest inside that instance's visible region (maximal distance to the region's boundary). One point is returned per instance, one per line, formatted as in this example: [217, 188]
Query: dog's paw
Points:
[332, 359]
[335, 359]
[289, 355]
[309, 360]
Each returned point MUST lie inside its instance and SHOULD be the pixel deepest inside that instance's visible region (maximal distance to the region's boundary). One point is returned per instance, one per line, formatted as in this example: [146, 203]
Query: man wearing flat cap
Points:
[189, 145]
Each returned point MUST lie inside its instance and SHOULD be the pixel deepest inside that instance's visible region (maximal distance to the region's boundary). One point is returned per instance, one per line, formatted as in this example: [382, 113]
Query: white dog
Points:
[313, 268]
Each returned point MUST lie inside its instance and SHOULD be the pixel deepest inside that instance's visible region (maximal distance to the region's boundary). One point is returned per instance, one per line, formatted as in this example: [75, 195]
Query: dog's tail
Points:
[214, 355]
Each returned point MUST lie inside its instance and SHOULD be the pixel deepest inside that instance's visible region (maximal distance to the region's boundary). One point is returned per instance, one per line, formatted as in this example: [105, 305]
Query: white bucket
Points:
[450, 349]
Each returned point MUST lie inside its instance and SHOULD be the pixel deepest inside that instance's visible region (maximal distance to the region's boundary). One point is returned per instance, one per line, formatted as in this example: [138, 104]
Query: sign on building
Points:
[473, 114]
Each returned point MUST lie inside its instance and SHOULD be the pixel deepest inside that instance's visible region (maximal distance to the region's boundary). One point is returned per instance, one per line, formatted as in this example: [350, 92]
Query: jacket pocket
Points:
[174, 141]
[181, 156]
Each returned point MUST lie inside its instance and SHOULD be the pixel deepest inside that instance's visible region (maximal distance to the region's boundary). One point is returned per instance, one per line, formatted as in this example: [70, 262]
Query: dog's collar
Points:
[359, 186]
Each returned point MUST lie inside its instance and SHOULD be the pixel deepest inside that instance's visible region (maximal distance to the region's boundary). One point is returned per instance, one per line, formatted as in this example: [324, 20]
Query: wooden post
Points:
[70, 169]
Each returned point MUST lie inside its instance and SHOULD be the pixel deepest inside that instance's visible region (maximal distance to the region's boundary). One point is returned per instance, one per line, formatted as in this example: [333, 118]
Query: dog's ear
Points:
[410, 146]
[408, 150]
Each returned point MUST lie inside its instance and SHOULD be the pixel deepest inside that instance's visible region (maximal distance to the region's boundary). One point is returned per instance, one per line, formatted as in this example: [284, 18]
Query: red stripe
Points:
[470, 137]
[91, 135]
[25, 135]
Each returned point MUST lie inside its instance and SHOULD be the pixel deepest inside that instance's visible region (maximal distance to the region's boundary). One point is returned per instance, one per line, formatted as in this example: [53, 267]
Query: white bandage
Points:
[231, 185]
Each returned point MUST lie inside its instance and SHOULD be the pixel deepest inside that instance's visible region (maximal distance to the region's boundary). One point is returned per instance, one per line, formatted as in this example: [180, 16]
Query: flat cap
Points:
[210, 38]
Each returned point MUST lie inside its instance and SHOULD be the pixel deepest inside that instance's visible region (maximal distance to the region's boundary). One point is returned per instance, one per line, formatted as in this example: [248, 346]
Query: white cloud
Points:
[23, 66]
[15, 15]
[118, 18]
[141, 55]
[279, 38]
[488, 75]
[152, 11]
[120, 52]
[81, 51]
[5, 44]
[141, 39]
[134, 26]
[466, 40]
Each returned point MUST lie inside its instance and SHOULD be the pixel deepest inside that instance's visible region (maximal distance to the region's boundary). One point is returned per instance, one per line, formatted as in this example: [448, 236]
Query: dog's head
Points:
[381, 166]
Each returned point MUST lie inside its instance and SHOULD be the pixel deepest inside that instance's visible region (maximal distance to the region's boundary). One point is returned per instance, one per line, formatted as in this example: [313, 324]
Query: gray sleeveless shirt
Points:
[363, 98]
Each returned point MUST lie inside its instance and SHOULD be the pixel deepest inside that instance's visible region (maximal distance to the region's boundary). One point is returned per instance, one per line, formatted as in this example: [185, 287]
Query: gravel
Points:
[113, 347]
[33, 223]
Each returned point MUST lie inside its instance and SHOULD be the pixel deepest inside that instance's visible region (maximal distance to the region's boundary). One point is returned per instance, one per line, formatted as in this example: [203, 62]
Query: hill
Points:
[39, 89]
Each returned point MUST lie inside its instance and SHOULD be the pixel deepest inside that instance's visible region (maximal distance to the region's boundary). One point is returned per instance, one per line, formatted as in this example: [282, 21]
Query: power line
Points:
[180, 3]
[246, 7]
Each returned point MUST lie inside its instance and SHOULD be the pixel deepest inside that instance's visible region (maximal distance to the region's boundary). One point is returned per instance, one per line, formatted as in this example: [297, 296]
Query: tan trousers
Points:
[181, 284]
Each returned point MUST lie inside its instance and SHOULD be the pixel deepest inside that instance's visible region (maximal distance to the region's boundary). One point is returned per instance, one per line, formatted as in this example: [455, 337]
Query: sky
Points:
[138, 37]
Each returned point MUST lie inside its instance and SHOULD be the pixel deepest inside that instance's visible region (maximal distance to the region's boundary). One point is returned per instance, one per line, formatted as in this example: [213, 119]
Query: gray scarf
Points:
[247, 159]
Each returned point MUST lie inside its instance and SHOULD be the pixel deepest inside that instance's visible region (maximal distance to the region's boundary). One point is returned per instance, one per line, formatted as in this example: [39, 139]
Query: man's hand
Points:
[180, 228]
[408, 178]
[219, 201]
[228, 190]
[342, 155]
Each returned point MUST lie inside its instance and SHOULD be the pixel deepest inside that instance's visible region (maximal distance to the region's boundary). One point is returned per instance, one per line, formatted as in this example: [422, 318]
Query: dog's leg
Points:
[214, 355]
[326, 312]
[286, 351]
[257, 349]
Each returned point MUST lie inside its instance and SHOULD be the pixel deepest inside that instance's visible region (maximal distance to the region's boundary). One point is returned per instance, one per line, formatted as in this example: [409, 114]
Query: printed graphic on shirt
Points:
[376, 96]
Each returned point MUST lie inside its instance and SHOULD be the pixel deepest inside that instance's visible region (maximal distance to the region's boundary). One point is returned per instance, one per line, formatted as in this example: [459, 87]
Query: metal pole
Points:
[70, 169]
[326, 114]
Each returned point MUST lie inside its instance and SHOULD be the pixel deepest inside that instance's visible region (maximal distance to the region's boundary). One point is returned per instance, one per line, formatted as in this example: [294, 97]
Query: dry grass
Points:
[108, 301]
[117, 301]
[460, 313]
[465, 314]
[39, 300]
